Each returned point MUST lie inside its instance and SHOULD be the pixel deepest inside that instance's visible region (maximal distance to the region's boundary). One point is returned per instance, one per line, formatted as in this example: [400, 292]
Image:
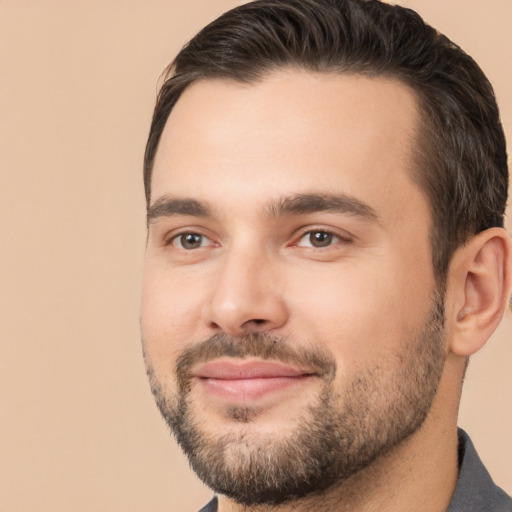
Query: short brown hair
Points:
[460, 154]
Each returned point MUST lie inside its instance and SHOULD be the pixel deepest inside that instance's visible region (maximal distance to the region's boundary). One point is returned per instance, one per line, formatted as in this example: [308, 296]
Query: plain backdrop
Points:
[79, 431]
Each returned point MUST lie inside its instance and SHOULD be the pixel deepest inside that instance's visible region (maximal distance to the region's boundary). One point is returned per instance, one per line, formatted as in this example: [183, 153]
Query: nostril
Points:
[254, 323]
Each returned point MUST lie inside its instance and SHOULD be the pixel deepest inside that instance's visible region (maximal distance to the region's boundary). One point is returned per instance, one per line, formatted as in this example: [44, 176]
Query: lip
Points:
[242, 381]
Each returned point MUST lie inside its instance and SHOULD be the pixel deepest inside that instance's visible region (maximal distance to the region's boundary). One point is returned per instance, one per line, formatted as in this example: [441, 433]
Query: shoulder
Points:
[210, 506]
[476, 491]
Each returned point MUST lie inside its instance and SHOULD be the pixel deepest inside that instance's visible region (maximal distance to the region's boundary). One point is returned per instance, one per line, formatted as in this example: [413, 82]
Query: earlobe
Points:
[479, 282]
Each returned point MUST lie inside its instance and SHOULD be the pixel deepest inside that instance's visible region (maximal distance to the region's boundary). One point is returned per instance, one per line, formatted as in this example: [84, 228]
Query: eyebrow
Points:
[311, 203]
[166, 206]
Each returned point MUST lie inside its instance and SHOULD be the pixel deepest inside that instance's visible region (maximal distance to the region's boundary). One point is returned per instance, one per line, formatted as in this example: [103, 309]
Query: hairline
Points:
[263, 73]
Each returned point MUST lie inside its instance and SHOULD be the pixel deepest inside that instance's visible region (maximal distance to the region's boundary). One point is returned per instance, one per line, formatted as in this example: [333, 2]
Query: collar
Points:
[475, 490]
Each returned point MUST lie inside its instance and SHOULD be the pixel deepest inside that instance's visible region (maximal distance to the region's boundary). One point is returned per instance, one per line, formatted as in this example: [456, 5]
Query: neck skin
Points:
[418, 474]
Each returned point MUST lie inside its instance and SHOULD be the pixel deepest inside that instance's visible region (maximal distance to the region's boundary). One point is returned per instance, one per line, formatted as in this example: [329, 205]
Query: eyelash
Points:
[342, 238]
[333, 233]
[171, 239]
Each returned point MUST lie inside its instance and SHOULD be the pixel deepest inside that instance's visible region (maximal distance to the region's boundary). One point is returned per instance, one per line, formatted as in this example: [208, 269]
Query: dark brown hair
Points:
[460, 153]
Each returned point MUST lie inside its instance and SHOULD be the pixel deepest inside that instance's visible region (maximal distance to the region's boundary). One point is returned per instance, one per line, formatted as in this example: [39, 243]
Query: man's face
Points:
[291, 326]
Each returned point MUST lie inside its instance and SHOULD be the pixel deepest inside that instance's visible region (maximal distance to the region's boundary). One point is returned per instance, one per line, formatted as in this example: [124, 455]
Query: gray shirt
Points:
[475, 490]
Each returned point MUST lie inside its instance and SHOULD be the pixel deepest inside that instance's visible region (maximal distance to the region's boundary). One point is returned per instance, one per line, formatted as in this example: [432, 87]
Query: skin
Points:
[239, 151]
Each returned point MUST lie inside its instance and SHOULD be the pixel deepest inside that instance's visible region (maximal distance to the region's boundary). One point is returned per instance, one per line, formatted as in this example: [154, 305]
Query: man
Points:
[326, 182]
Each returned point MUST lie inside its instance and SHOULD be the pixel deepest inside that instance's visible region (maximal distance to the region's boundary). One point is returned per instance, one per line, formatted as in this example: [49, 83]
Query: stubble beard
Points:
[345, 429]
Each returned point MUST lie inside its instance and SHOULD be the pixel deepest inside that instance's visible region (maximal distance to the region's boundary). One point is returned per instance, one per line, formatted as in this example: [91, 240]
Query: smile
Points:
[242, 381]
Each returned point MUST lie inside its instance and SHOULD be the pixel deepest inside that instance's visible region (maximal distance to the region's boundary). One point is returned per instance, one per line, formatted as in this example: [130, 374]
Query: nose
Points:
[247, 295]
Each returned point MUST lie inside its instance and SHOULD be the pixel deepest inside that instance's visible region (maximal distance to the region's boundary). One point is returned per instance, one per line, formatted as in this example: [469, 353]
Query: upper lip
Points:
[233, 369]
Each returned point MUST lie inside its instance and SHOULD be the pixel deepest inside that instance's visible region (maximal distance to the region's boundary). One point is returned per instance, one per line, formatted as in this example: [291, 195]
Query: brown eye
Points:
[190, 241]
[320, 238]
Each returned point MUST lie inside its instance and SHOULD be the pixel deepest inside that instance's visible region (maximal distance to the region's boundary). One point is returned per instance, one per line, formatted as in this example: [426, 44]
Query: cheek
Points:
[170, 314]
[362, 315]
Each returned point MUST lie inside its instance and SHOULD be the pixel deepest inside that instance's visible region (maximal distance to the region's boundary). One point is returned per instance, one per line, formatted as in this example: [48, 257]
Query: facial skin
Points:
[285, 228]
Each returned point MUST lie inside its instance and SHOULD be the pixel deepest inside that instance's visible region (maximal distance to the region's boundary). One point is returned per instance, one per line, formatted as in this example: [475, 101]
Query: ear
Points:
[478, 290]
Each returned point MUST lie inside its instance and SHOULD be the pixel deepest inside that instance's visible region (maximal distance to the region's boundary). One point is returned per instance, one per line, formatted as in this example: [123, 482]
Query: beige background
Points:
[78, 427]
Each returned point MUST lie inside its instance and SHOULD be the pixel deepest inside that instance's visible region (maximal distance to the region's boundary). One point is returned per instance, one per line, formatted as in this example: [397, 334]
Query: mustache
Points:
[259, 345]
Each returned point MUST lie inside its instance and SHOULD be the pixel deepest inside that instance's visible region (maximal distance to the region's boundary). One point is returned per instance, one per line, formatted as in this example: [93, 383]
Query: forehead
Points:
[291, 132]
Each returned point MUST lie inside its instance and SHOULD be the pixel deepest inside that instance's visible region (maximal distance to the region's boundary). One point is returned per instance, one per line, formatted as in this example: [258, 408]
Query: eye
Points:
[318, 239]
[189, 241]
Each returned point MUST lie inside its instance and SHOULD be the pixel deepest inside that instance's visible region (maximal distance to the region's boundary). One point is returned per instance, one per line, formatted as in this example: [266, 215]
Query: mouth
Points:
[243, 381]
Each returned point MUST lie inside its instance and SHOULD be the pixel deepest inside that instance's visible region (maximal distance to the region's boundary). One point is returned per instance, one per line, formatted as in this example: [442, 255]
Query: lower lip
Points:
[242, 390]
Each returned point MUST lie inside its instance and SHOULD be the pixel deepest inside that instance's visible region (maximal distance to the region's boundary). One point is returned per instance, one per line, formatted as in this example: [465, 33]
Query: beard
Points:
[343, 430]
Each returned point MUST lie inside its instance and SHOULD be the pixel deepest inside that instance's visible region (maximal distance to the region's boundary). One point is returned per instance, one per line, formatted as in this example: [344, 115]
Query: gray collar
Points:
[475, 491]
